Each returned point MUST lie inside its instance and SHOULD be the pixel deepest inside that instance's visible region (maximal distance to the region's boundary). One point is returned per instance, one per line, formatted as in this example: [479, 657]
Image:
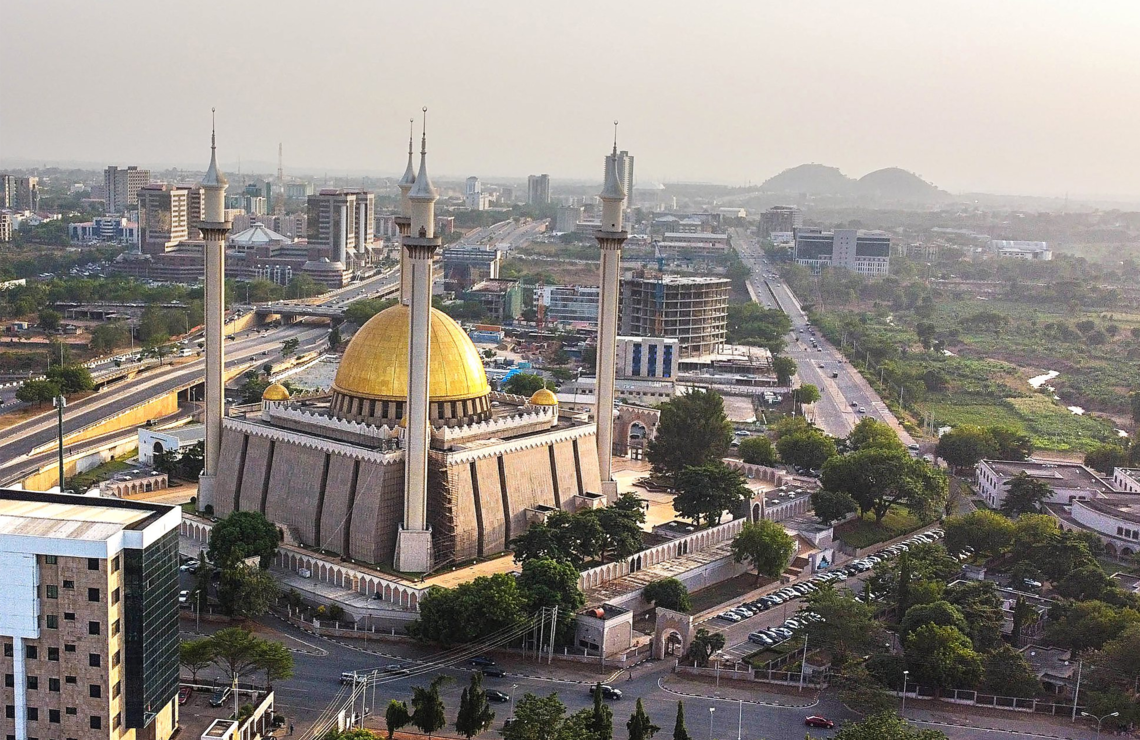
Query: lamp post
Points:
[740, 720]
[718, 658]
[905, 674]
[711, 710]
[60, 403]
[513, 687]
[1099, 720]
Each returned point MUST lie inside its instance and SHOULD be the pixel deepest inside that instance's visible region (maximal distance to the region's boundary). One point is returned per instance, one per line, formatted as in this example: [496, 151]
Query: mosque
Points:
[411, 461]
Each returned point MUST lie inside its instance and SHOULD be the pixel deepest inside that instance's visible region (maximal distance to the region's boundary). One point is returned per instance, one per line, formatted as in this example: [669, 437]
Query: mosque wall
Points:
[338, 500]
[588, 463]
[529, 483]
[377, 511]
[230, 468]
[295, 488]
[565, 472]
[466, 515]
[254, 477]
[490, 503]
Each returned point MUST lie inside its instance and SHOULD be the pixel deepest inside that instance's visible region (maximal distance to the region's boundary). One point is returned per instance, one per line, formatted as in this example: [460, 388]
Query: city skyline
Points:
[990, 99]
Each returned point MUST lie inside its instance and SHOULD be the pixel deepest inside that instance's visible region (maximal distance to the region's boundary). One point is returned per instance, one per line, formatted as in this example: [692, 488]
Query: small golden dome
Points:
[375, 363]
[544, 397]
[275, 392]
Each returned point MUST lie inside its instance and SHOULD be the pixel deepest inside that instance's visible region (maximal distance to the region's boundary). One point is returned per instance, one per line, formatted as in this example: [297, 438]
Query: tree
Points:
[303, 286]
[766, 547]
[276, 661]
[289, 346]
[194, 655]
[37, 391]
[1011, 444]
[238, 651]
[1025, 495]
[334, 337]
[861, 691]
[982, 608]
[878, 479]
[50, 319]
[1032, 532]
[704, 645]
[601, 722]
[470, 611]
[536, 718]
[71, 378]
[871, 433]
[620, 529]
[396, 716]
[679, 731]
[752, 324]
[848, 626]
[942, 657]
[692, 431]
[808, 450]
[1006, 672]
[1088, 624]
[1134, 399]
[427, 707]
[241, 535]
[475, 714]
[1106, 458]
[708, 491]
[548, 583]
[758, 450]
[988, 532]
[939, 612]
[525, 384]
[58, 353]
[885, 726]
[807, 394]
[964, 445]
[247, 592]
[668, 593]
[831, 506]
[785, 368]
[358, 312]
[639, 726]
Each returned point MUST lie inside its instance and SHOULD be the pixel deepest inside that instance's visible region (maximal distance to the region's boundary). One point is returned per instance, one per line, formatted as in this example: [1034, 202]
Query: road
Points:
[846, 397]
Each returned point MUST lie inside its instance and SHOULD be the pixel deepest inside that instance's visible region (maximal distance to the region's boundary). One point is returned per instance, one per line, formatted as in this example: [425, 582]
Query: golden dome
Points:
[275, 392]
[375, 363]
[543, 397]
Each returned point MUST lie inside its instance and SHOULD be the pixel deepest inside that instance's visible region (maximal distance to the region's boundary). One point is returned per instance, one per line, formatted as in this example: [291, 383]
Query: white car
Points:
[183, 597]
[731, 617]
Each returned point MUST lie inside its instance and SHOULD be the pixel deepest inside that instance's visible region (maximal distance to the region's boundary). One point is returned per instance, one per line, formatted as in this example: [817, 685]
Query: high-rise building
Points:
[538, 190]
[566, 219]
[865, 252]
[567, 303]
[464, 266]
[19, 193]
[5, 227]
[344, 222]
[472, 194]
[164, 219]
[88, 617]
[121, 187]
[780, 220]
[7, 190]
[694, 310]
[625, 176]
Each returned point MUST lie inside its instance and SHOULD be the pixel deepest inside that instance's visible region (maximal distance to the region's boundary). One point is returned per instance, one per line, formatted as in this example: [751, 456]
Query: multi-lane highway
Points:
[846, 395]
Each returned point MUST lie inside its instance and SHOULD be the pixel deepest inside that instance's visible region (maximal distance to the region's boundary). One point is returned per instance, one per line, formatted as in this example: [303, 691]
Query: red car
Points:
[817, 721]
[184, 694]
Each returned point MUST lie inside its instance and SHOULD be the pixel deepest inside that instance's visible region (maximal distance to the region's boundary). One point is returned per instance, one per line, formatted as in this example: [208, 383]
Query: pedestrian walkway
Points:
[1018, 724]
[737, 691]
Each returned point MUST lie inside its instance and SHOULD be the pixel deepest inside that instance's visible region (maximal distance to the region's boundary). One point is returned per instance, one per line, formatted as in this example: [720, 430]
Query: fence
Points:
[969, 697]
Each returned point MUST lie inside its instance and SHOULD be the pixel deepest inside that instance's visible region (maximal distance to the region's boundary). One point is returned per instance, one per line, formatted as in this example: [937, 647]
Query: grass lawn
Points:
[718, 593]
[864, 532]
[100, 473]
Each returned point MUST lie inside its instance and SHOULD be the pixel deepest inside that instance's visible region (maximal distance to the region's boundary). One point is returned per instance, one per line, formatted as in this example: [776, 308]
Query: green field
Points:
[865, 531]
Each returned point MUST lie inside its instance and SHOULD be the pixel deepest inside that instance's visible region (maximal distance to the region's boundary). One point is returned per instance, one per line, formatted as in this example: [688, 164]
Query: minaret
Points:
[413, 542]
[214, 228]
[610, 239]
[404, 220]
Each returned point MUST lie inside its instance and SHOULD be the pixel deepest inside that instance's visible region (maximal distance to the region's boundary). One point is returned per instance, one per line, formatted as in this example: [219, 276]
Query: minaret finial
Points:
[423, 142]
[615, 136]
[213, 127]
[411, 135]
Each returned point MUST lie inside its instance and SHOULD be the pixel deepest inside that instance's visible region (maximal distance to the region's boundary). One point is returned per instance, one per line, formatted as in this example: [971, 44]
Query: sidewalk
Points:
[750, 692]
[939, 714]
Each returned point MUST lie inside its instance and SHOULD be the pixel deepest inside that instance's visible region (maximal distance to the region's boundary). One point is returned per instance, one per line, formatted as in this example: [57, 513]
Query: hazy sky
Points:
[1028, 97]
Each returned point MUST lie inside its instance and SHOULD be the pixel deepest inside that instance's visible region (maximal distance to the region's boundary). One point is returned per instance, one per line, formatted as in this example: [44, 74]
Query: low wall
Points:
[48, 474]
[134, 416]
[871, 549]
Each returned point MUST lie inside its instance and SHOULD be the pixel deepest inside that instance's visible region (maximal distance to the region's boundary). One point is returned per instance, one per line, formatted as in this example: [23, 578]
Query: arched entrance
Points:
[671, 634]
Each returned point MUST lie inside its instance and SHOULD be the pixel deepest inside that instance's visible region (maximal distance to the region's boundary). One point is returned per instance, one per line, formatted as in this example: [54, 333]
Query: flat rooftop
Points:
[71, 516]
[1064, 475]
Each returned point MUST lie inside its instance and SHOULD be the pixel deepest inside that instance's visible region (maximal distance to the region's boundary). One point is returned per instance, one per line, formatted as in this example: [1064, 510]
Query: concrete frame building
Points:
[779, 220]
[1024, 250]
[865, 252]
[121, 187]
[692, 310]
[19, 193]
[466, 266]
[538, 189]
[501, 299]
[344, 222]
[5, 227]
[88, 617]
[567, 304]
[164, 217]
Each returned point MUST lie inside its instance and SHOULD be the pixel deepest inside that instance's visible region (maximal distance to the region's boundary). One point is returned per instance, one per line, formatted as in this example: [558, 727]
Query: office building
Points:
[5, 227]
[88, 617]
[501, 299]
[865, 252]
[7, 190]
[538, 190]
[104, 229]
[20, 193]
[692, 245]
[780, 219]
[647, 357]
[163, 217]
[298, 189]
[569, 304]
[344, 222]
[566, 219]
[624, 163]
[473, 195]
[1021, 250]
[692, 310]
[465, 266]
[121, 187]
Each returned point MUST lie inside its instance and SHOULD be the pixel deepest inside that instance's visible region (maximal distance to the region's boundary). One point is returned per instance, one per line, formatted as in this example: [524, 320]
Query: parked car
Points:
[608, 692]
[816, 721]
[218, 698]
[185, 693]
[731, 617]
[481, 662]
[493, 672]
[499, 696]
[760, 639]
[183, 597]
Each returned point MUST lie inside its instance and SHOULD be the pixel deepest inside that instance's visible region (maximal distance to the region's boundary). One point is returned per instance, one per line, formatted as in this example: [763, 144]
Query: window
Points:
[114, 659]
[114, 628]
[69, 648]
[96, 722]
[51, 560]
[115, 596]
[116, 721]
[93, 628]
[7, 650]
[69, 616]
[92, 564]
[53, 684]
[52, 591]
[53, 654]
[33, 683]
[69, 584]
[53, 621]
[10, 711]
[9, 680]
[69, 679]
[92, 594]
[116, 689]
[94, 660]
[53, 716]
[33, 714]
[115, 564]
[31, 652]
[69, 711]
[95, 690]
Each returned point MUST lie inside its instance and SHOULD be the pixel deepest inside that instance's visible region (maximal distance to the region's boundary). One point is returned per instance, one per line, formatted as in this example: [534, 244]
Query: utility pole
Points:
[541, 634]
[553, 632]
[1077, 691]
[803, 663]
[60, 402]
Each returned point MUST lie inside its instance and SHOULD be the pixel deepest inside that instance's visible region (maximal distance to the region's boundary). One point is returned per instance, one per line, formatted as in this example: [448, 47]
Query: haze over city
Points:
[1034, 98]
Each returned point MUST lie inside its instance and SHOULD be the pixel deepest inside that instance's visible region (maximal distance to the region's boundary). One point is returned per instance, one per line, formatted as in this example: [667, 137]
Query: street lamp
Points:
[711, 710]
[905, 674]
[718, 657]
[60, 403]
[513, 687]
[1099, 720]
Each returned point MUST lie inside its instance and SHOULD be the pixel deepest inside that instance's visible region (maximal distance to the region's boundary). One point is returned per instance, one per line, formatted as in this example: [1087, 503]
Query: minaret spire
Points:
[615, 137]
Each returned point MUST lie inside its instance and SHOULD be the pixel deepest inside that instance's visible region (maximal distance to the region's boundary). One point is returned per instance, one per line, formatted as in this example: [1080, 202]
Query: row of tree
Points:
[612, 531]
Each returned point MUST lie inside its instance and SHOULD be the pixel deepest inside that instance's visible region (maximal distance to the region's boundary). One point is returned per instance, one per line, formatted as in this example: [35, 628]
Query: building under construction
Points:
[693, 310]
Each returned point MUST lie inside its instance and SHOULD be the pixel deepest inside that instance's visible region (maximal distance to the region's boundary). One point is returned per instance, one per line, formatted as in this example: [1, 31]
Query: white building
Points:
[1021, 249]
[1070, 481]
[1126, 479]
[865, 252]
[647, 357]
[567, 303]
[154, 441]
[1116, 520]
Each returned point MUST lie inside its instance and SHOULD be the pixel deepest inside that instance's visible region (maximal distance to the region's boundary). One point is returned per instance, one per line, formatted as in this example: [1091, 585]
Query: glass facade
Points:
[151, 629]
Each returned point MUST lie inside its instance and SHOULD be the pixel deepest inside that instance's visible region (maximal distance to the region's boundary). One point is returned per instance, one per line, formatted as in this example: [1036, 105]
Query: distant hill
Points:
[890, 184]
[815, 179]
[893, 183]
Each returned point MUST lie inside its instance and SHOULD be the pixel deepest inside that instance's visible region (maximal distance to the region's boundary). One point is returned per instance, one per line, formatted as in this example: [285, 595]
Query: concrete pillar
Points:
[607, 351]
[214, 235]
[404, 226]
